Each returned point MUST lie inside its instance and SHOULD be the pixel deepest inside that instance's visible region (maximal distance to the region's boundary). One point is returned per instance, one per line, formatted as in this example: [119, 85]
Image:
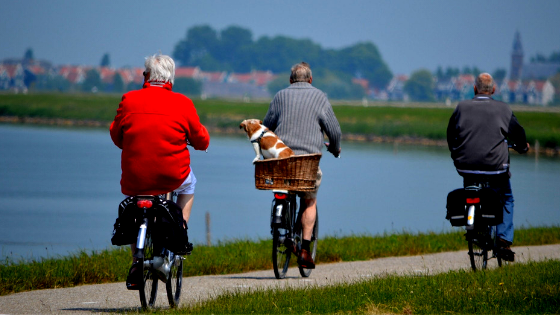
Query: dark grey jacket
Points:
[299, 115]
[478, 135]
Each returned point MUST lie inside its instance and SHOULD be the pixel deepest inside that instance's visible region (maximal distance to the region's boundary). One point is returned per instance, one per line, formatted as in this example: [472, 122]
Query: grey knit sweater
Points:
[300, 115]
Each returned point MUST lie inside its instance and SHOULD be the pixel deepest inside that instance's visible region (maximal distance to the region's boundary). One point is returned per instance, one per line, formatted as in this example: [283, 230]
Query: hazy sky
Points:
[409, 34]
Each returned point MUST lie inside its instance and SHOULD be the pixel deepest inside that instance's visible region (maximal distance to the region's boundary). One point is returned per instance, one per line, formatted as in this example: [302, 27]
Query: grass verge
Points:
[530, 288]
[237, 256]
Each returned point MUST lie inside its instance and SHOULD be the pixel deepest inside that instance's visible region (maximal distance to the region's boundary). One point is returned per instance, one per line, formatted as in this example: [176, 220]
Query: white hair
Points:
[161, 68]
[484, 83]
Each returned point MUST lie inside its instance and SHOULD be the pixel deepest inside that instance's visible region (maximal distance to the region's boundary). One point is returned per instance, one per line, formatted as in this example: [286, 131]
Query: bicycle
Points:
[287, 231]
[156, 261]
[479, 208]
[285, 177]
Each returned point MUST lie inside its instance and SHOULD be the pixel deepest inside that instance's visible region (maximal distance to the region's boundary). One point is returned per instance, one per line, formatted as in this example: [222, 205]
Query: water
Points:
[60, 190]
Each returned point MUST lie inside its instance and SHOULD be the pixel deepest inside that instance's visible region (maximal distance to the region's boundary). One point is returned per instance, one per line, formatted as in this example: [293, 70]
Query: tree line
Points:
[233, 49]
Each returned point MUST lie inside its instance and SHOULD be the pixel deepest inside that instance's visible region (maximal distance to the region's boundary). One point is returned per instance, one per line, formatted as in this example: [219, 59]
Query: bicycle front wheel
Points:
[175, 280]
[148, 291]
[478, 252]
[304, 272]
[281, 251]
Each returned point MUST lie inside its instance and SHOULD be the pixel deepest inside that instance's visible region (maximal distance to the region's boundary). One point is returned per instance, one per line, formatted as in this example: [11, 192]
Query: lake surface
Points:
[59, 190]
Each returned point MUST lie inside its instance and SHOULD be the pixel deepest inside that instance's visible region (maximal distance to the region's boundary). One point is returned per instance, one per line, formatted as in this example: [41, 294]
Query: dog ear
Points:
[260, 122]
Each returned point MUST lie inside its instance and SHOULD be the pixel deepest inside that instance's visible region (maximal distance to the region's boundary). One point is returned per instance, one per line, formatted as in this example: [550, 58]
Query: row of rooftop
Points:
[223, 84]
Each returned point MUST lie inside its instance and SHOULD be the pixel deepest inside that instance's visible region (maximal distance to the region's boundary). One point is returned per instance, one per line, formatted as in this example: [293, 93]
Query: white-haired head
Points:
[485, 84]
[161, 68]
[301, 72]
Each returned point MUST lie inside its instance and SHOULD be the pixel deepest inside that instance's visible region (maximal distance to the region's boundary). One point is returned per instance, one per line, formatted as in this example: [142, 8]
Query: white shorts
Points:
[187, 188]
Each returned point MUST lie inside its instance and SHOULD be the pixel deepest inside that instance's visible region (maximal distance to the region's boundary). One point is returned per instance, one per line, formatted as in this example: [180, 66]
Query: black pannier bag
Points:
[169, 231]
[489, 212]
[126, 226]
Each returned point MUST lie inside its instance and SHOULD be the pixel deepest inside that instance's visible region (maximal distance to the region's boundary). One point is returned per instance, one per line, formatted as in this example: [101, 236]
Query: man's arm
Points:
[197, 134]
[516, 134]
[270, 119]
[331, 127]
[452, 130]
[116, 128]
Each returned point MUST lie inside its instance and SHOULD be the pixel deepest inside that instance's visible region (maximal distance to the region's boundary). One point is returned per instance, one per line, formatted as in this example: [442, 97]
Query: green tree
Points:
[92, 81]
[555, 81]
[420, 86]
[364, 60]
[337, 85]
[187, 86]
[118, 83]
[105, 60]
[235, 48]
[48, 82]
[199, 42]
[282, 81]
[499, 74]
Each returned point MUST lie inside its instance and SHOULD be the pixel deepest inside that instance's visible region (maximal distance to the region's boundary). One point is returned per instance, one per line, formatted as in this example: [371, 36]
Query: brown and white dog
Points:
[264, 140]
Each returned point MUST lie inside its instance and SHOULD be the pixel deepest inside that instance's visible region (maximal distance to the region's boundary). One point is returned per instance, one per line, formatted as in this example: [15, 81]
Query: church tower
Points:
[516, 58]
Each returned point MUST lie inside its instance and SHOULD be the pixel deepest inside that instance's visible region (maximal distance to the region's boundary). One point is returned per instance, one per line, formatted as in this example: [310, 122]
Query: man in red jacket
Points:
[153, 126]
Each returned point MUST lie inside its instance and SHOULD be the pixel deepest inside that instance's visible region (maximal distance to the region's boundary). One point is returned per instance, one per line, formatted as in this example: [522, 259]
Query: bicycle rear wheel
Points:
[478, 250]
[148, 291]
[175, 281]
[281, 251]
[304, 272]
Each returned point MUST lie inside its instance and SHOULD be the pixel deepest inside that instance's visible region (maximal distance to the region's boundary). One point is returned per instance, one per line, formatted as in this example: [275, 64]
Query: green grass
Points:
[530, 288]
[237, 256]
[393, 120]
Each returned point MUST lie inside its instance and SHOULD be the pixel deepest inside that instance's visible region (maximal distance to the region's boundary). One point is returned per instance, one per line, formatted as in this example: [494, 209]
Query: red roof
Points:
[213, 76]
[187, 72]
[363, 82]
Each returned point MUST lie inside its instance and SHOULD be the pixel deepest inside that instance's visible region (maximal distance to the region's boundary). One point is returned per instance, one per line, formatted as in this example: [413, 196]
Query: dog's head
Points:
[250, 126]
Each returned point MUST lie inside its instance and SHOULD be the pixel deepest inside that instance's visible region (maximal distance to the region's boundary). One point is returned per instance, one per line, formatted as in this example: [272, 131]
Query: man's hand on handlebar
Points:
[336, 155]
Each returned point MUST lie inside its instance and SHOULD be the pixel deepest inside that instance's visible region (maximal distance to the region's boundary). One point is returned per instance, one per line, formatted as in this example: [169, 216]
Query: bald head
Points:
[484, 84]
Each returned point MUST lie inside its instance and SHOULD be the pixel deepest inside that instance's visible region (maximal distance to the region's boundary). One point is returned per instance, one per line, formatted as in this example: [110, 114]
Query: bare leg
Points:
[185, 201]
[308, 218]
[133, 249]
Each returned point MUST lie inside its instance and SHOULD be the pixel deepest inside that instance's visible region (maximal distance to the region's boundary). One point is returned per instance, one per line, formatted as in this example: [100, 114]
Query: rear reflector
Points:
[471, 201]
[144, 203]
[280, 196]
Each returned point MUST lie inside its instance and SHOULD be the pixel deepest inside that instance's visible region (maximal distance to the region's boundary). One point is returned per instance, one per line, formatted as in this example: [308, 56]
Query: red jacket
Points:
[152, 127]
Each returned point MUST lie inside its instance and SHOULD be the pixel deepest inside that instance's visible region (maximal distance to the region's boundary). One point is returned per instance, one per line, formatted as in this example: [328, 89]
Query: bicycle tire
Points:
[478, 254]
[175, 281]
[305, 272]
[281, 253]
[148, 291]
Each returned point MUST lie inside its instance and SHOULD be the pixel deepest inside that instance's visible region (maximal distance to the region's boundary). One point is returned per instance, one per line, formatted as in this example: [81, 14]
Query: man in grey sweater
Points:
[300, 115]
[477, 135]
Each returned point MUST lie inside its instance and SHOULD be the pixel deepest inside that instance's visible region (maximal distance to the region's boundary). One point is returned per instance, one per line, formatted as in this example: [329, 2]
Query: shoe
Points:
[291, 246]
[305, 260]
[504, 250]
[134, 278]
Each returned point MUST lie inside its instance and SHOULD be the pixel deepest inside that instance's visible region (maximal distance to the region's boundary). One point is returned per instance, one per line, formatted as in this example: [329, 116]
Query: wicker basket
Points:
[296, 173]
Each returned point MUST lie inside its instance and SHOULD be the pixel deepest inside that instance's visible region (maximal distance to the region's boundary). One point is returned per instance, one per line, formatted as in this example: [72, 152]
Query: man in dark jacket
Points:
[478, 135]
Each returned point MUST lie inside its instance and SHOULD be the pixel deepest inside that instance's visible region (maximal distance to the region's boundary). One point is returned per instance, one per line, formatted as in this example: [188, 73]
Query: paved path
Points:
[113, 297]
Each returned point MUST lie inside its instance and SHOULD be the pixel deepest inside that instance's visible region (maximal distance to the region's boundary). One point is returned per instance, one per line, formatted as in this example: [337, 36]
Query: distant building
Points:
[532, 70]
[516, 58]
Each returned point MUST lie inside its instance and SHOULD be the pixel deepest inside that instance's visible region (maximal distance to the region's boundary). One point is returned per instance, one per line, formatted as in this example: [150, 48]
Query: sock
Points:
[305, 244]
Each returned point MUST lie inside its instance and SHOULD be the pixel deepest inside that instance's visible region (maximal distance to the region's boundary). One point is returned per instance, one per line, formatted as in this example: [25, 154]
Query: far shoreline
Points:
[364, 138]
